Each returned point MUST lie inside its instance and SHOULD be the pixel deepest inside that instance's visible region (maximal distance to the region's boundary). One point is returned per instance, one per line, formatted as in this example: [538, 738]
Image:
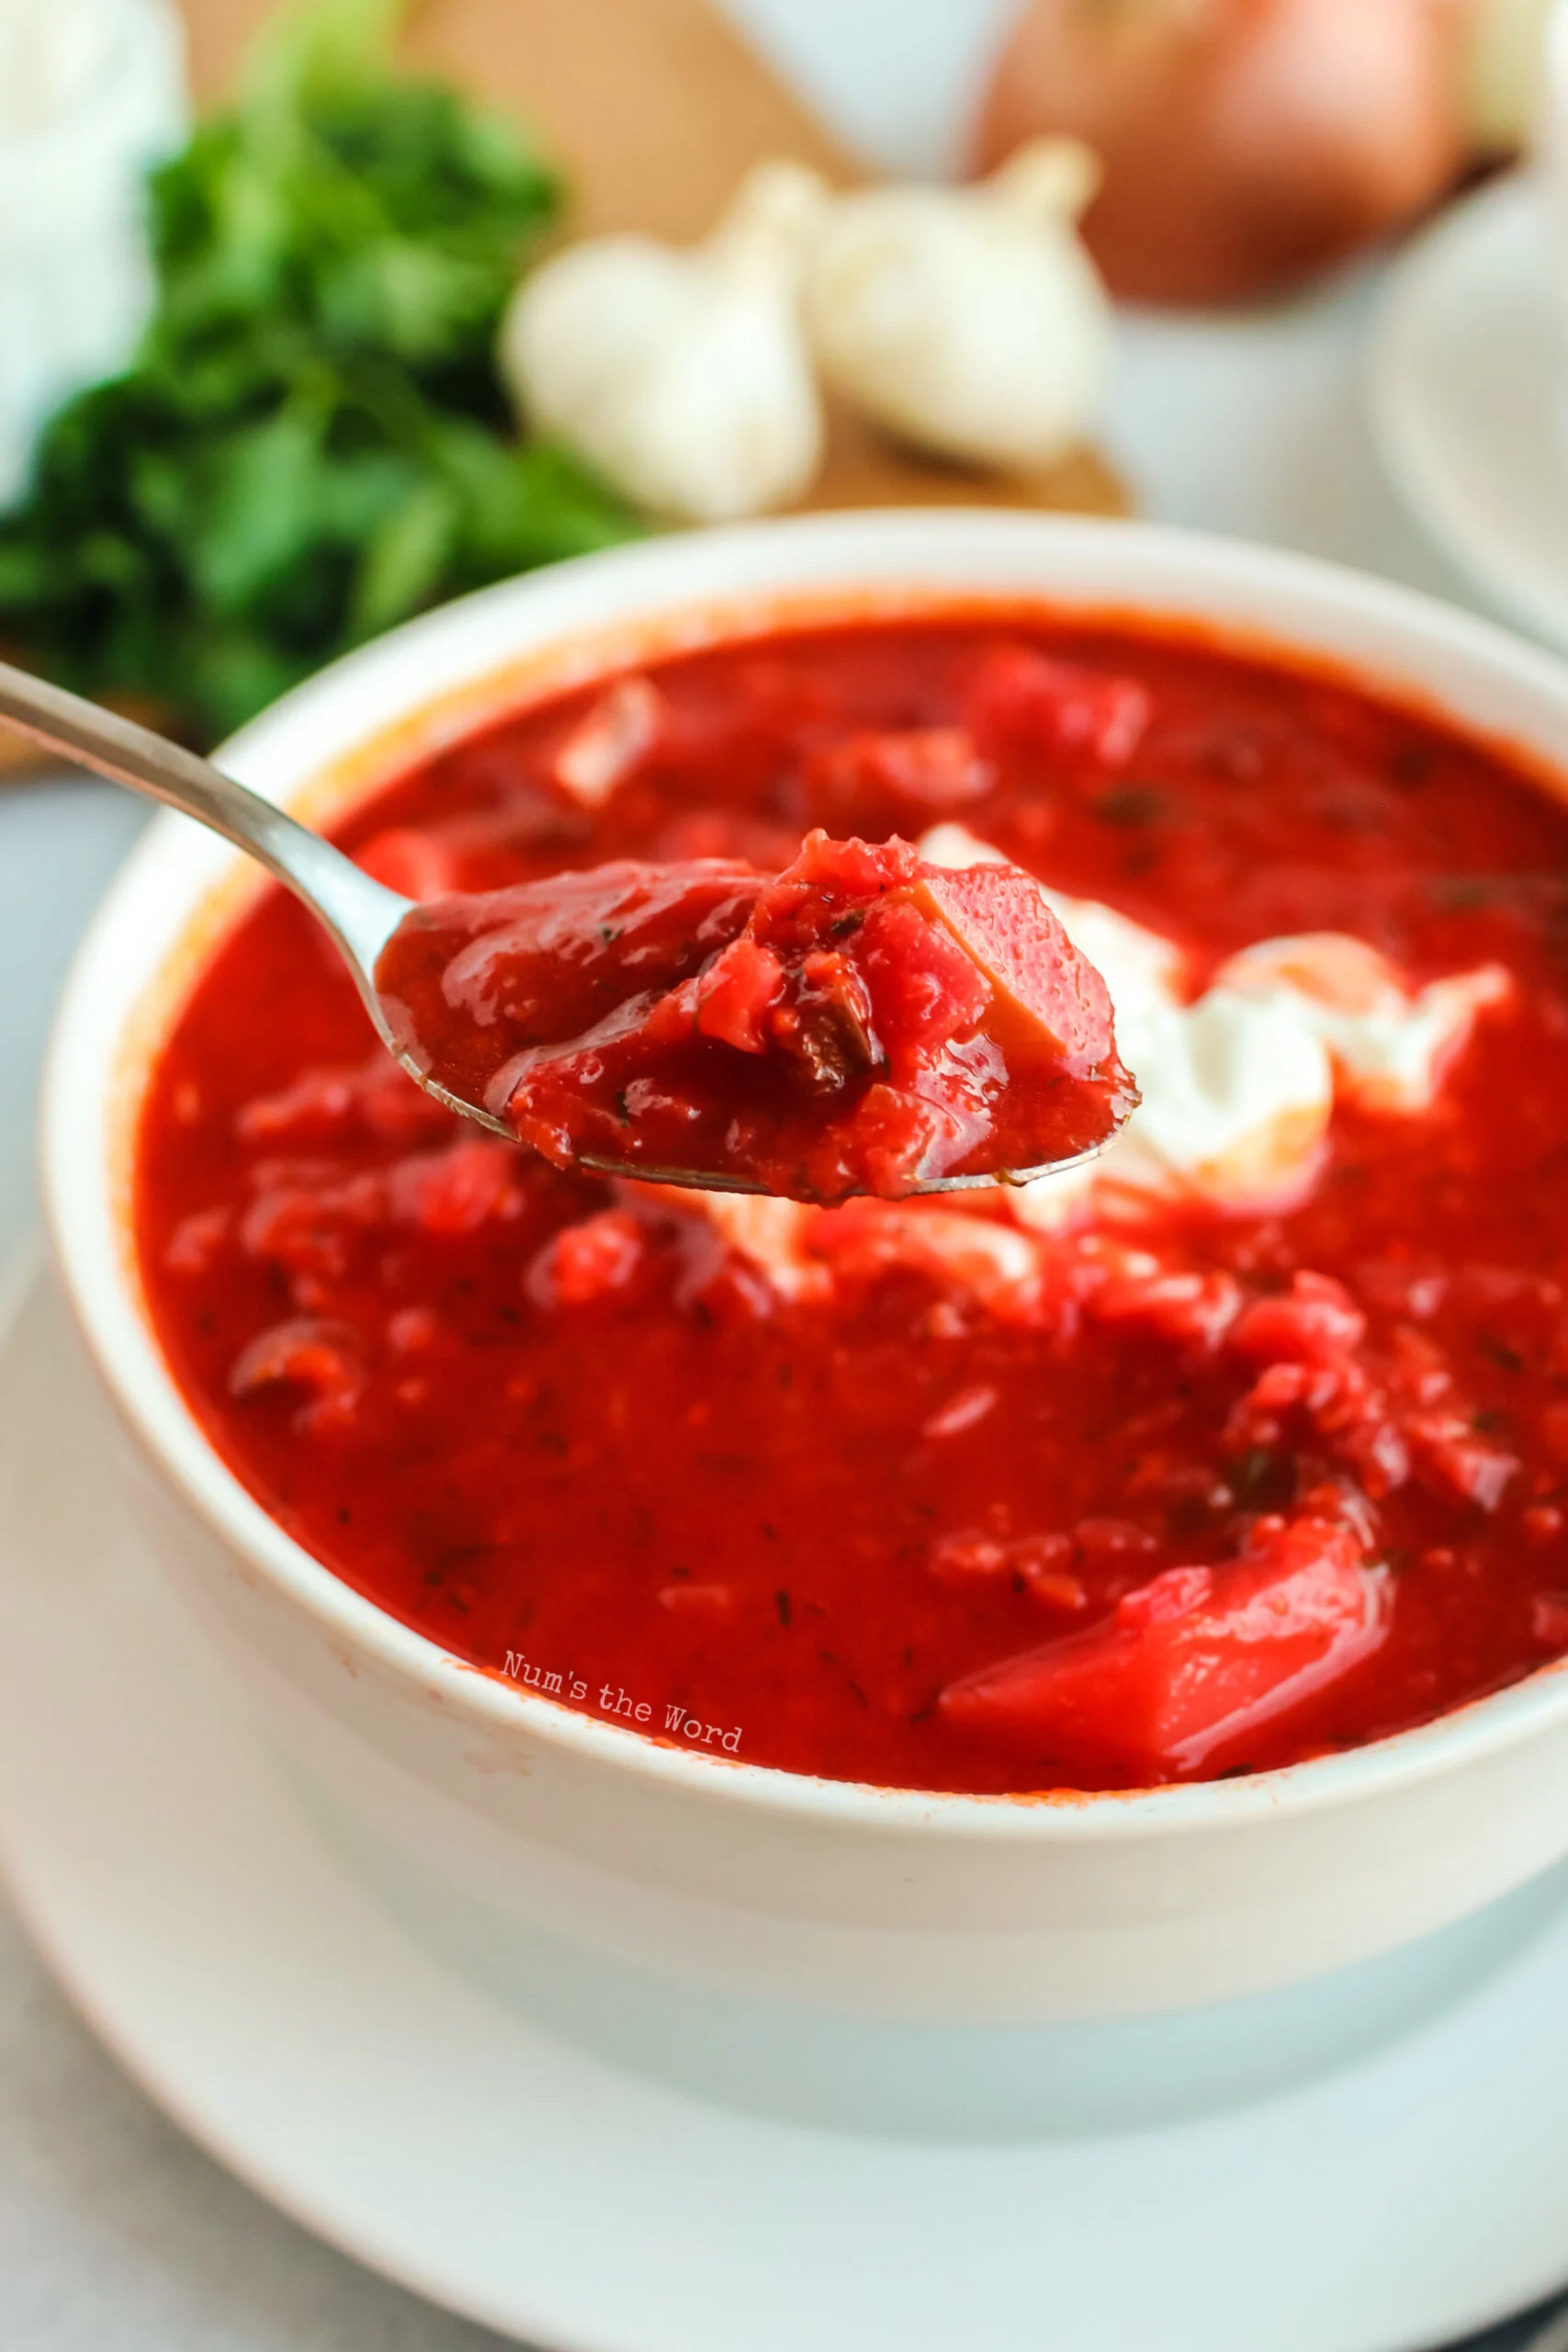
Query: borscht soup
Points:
[864, 1022]
[1242, 1443]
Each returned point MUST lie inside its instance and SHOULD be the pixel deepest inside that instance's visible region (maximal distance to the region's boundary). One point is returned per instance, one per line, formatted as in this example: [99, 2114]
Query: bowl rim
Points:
[89, 1228]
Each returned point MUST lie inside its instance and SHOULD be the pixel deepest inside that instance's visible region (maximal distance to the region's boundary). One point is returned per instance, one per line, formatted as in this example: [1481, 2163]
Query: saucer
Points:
[273, 2005]
[1460, 385]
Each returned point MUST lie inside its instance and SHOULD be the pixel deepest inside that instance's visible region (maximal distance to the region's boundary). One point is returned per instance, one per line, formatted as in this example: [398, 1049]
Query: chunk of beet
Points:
[1045, 991]
[1188, 1666]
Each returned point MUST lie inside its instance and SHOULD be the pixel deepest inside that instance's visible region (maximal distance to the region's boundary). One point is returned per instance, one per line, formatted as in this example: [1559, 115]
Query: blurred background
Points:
[416, 299]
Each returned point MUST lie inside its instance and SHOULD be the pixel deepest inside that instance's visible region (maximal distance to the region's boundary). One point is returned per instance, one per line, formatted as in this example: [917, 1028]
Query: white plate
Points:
[1461, 391]
[264, 1999]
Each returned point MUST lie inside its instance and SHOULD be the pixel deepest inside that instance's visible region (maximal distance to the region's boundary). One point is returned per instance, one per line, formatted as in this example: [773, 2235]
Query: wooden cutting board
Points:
[655, 109]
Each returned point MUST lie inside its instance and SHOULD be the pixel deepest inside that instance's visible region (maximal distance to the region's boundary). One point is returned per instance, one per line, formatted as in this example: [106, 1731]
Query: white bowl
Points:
[858, 1899]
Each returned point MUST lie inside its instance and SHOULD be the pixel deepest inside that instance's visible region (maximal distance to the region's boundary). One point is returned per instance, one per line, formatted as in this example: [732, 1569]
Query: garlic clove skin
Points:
[682, 376]
[771, 223]
[968, 322]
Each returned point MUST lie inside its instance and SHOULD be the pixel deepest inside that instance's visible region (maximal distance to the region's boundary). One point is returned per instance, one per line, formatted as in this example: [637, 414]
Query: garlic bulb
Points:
[682, 375]
[970, 320]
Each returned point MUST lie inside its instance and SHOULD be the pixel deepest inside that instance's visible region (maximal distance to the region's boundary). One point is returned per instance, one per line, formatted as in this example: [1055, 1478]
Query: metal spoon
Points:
[361, 914]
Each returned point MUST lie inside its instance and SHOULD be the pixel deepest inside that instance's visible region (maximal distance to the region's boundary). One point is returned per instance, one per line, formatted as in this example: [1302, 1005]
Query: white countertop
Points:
[116, 2234]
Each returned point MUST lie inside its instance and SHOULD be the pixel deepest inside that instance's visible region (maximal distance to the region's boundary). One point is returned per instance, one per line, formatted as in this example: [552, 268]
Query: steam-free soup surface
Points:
[1250, 1444]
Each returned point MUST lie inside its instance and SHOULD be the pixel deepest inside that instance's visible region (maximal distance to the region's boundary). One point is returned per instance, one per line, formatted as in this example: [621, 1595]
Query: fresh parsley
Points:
[311, 443]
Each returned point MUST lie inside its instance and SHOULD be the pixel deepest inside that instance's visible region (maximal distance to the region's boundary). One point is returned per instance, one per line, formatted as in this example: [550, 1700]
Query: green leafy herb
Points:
[1131, 804]
[1250, 1473]
[311, 443]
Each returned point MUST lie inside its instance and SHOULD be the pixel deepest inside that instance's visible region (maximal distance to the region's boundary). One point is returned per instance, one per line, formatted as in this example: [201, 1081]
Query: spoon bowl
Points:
[691, 1180]
[360, 913]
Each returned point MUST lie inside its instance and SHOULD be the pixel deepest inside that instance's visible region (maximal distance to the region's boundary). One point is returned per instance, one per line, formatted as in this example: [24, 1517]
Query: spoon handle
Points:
[359, 913]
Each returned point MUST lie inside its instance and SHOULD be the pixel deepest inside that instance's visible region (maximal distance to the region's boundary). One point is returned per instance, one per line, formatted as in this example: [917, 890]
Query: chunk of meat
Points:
[1190, 1666]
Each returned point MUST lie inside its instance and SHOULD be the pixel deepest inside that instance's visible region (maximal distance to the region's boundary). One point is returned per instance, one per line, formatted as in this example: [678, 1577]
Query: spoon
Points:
[360, 915]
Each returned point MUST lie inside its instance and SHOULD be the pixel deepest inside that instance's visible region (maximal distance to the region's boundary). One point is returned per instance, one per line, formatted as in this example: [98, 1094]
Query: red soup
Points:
[1247, 1444]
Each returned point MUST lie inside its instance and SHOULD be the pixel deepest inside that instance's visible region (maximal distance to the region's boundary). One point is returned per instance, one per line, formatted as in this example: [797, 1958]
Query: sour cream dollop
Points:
[1239, 1083]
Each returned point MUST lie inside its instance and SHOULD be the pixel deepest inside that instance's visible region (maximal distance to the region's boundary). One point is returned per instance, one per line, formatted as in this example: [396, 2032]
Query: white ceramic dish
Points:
[885, 1902]
[577, 2196]
[1461, 389]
